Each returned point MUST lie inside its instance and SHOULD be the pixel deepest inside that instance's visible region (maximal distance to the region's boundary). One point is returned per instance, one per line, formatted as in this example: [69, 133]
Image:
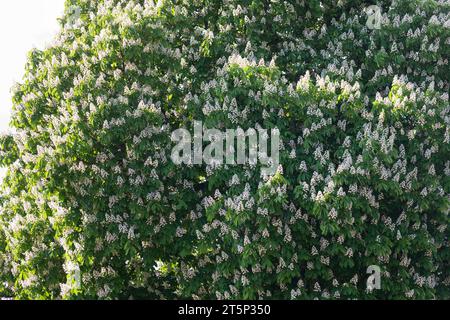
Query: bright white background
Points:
[24, 24]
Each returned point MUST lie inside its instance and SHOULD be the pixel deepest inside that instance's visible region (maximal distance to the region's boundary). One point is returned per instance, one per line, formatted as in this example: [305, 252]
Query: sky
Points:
[24, 25]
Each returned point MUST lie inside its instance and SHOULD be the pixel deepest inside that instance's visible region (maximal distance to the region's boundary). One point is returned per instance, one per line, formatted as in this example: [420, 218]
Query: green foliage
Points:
[93, 207]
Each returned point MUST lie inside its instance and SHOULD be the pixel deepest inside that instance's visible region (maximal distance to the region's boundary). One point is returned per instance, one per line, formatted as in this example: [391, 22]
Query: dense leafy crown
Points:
[93, 207]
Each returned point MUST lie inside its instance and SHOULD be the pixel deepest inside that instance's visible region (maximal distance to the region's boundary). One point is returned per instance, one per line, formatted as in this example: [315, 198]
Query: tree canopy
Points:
[93, 207]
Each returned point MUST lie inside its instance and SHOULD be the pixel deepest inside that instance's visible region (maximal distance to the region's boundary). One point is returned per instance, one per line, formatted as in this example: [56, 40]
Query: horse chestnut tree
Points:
[93, 207]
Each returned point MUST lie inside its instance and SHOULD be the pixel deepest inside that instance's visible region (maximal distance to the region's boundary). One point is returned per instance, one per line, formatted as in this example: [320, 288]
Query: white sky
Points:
[24, 24]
